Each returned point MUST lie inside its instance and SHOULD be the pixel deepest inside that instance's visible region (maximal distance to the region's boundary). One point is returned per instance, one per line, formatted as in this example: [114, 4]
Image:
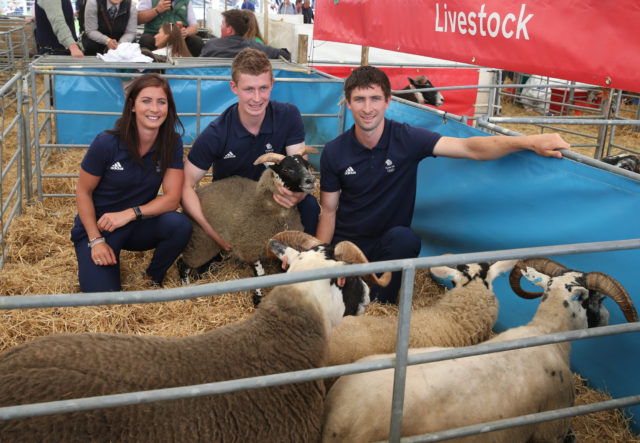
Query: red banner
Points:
[459, 101]
[589, 41]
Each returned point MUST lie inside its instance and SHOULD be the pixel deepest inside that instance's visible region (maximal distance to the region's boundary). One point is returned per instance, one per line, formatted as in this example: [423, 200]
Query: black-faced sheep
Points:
[434, 98]
[630, 162]
[288, 332]
[459, 392]
[463, 316]
[245, 215]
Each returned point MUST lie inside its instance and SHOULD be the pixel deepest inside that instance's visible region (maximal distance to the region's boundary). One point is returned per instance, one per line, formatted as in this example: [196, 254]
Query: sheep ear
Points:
[445, 275]
[535, 277]
[499, 268]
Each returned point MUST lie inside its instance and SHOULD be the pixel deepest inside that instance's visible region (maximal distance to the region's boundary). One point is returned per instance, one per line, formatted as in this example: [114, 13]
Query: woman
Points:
[117, 192]
[253, 29]
[169, 41]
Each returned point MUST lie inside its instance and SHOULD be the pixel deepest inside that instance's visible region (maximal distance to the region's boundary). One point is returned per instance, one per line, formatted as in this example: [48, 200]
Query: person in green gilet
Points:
[153, 13]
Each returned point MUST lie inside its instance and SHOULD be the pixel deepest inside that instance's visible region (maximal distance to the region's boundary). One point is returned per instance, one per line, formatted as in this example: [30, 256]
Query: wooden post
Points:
[303, 44]
[364, 56]
[265, 30]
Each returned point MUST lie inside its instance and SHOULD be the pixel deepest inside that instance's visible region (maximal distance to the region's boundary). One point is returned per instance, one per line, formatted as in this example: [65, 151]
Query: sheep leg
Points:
[258, 271]
[184, 271]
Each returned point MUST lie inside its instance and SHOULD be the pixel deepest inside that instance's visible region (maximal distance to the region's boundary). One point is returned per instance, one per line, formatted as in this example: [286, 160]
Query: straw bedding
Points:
[41, 260]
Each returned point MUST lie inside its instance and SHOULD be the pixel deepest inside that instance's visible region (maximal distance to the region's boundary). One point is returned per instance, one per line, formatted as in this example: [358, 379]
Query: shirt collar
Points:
[383, 143]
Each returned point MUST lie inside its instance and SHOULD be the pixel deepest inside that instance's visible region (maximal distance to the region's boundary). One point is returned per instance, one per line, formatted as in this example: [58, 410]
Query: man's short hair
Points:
[367, 77]
[250, 61]
[237, 20]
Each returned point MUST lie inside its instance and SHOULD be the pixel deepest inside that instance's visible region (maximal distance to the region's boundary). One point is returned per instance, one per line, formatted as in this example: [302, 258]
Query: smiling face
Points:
[150, 107]
[161, 38]
[368, 106]
[253, 93]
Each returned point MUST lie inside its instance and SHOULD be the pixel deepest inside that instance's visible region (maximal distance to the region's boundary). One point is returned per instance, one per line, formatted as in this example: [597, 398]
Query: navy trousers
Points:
[397, 243]
[168, 233]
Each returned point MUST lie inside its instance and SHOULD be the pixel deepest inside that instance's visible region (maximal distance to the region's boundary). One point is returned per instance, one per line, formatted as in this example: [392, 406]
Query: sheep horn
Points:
[601, 282]
[544, 265]
[350, 253]
[271, 157]
[298, 240]
[307, 150]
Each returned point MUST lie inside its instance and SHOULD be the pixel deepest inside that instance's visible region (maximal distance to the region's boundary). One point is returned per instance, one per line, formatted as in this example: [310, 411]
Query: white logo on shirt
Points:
[350, 171]
[229, 155]
[389, 166]
[116, 167]
[268, 147]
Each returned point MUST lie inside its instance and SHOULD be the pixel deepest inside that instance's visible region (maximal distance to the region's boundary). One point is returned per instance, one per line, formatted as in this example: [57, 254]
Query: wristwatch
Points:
[138, 212]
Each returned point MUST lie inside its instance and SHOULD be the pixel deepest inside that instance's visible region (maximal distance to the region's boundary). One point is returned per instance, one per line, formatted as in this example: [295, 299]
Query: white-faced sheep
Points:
[434, 98]
[288, 332]
[465, 391]
[245, 215]
[463, 316]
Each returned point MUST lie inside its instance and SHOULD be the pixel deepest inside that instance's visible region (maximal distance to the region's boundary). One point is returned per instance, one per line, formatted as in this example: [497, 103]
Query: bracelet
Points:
[138, 212]
[95, 241]
[157, 12]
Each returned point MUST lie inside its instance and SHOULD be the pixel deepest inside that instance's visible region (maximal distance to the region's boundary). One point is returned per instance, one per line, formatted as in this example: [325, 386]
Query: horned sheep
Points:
[245, 215]
[464, 316]
[459, 392]
[288, 332]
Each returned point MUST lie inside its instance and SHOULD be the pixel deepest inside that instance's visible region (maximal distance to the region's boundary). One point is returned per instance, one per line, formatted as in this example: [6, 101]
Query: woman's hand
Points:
[111, 221]
[102, 254]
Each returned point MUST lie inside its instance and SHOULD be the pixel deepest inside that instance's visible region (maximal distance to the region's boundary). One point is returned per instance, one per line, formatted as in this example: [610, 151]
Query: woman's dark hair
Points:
[367, 77]
[168, 136]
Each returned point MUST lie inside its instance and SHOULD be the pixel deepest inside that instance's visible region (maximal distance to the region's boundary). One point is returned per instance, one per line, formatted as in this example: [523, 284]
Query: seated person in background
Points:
[117, 192]
[107, 23]
[55, 28]
[254, 126]
[253, 31]
[369, 173]
[235, 24]
[153, 13]
[169, 41]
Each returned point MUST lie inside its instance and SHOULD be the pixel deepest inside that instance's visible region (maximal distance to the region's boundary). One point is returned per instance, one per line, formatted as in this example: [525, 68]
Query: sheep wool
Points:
[288, 333]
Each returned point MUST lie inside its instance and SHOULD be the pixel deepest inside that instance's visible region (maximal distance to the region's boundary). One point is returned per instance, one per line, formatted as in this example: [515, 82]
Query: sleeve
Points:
[422, 138]
[53, 10]
[144, 5]
[329, 178]
[95, 160]
[178, 153]
[91, 23]
[191, 15]
[130, 32]
[204, 151]
[296, 133]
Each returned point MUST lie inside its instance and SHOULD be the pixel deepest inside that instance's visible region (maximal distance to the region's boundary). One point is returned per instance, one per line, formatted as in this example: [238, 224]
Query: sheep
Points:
[630, 162]
[465, 391]
[426, 97]
[245, 215]
[463, 316]
[288, 332]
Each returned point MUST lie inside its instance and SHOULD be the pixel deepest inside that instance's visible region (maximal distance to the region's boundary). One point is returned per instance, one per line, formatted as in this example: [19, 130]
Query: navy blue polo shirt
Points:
[232, 149]
[378, 186]
[124, 182]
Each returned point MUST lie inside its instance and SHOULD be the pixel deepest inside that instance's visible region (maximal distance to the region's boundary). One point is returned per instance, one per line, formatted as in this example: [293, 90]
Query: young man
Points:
[254, 126]
[235, 25]
[368, 174]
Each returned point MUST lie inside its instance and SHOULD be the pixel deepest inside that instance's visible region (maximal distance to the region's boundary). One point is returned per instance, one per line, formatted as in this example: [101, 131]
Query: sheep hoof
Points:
[257, 297]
